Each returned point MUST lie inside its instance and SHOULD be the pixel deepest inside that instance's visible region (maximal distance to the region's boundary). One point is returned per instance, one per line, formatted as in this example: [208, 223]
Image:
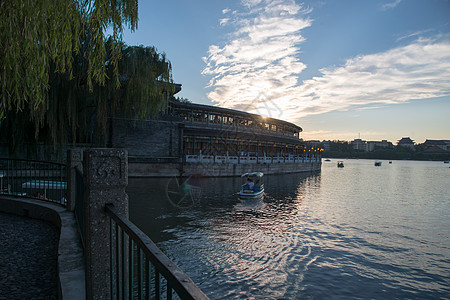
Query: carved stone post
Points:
[106, 177]
[74, 160]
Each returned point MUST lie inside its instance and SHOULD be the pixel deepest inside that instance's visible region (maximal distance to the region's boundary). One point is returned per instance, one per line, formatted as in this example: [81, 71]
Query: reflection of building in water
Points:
[213, 141]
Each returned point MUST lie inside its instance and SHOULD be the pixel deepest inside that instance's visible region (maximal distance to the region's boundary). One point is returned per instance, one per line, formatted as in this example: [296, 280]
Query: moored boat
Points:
[253, 185]
[340, 164]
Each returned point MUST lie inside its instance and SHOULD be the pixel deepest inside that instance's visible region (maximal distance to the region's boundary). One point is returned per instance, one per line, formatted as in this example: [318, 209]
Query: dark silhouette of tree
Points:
[180, 99]
[78, 113]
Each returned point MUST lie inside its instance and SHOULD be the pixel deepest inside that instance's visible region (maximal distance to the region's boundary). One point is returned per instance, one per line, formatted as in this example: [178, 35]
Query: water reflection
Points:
[245, 243]
[357, 231]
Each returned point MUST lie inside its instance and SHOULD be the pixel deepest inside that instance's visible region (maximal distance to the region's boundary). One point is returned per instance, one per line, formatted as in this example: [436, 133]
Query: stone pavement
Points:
[28, 258]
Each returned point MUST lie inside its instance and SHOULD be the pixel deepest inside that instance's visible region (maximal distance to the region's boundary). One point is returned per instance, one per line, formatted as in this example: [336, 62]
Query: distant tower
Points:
[406, 142]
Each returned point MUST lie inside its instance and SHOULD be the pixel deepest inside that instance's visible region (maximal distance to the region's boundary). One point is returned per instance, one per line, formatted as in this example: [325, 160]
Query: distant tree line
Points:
[344, 149]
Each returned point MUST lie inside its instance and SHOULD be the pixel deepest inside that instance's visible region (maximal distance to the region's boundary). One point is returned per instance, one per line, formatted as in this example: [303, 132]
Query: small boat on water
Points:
[340, 164]
[378, 164]
[253, 186]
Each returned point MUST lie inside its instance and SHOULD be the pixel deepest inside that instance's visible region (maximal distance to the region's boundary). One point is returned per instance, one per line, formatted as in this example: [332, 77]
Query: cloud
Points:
[419, 70]
[261, 56]
[258, 68]
[224, 21]
[414, 34]
[341, 135]
[391, 5]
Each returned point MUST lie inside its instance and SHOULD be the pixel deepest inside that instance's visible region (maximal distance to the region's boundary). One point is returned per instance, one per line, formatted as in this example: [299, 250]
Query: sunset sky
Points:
[339, 69]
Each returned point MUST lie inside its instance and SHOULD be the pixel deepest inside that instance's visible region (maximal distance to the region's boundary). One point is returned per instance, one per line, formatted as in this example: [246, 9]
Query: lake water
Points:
[355, 232]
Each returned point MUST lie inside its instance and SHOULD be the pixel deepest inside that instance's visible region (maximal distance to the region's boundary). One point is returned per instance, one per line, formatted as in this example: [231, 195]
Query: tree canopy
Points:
[61, 78]
[41, 37]
[75, 113]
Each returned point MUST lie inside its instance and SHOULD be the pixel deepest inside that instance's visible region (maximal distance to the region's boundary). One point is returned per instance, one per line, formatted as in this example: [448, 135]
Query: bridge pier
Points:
[105, 178]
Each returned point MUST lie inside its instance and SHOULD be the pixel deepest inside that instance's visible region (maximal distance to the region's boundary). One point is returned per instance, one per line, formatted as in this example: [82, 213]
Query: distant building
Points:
[372, 145]
[326, 145]
[360, 145]
[437, 146]
[369, 146]
[315, 143]
[406, 142]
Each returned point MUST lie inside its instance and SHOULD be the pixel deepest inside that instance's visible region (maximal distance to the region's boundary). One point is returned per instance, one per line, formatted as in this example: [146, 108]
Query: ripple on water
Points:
[357, 232]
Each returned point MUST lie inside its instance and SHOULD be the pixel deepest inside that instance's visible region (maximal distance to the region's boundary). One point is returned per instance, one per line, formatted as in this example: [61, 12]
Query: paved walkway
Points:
[28, 258]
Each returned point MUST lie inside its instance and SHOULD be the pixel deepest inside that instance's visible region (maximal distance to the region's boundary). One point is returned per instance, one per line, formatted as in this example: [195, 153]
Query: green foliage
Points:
[180, 99]
[146, 75]
[78, 113]
[40, 37]
[342, 146]
[59, 77]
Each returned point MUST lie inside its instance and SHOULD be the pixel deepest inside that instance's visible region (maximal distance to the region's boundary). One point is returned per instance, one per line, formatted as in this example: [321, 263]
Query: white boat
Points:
[253, 185]
[45, 185]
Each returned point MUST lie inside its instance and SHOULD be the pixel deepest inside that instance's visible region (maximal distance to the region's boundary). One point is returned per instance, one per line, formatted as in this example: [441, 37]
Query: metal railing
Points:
[79, 199]
[247, 159]
[139, 269]
[33, 179]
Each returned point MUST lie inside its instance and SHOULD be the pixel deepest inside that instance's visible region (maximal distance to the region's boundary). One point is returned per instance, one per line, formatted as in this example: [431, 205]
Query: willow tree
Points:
[78, 113]
[59, 75]
[39, 37]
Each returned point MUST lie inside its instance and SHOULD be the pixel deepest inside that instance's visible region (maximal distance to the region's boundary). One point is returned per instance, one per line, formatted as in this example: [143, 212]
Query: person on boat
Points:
[40, 196]
[250, 183]
[64, 199]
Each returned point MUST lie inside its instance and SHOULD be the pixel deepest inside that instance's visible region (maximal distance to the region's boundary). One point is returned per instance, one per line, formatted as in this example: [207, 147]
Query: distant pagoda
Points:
[406, 142]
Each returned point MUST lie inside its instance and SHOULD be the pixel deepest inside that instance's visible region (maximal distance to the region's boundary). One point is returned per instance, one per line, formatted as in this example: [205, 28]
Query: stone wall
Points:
[146, 138]
[41, 152]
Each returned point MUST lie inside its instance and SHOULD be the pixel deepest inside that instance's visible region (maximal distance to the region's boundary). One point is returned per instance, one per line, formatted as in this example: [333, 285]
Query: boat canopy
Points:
[43, 184]
[253, 174]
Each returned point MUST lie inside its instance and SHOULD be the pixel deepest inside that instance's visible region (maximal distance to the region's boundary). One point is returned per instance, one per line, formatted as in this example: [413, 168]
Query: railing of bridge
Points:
[139, 269]
[79, 206]
[247, 159]
[33, 179]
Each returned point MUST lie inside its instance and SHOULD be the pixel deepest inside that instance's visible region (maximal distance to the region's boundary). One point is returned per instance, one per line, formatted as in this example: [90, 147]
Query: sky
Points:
[341, 70]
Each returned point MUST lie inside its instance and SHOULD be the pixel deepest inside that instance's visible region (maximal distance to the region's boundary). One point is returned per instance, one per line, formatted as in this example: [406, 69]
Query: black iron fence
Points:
[79, 199]
[139, 270]
[34, 179]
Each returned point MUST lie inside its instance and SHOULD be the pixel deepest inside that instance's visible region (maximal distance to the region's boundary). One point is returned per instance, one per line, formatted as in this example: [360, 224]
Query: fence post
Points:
[106, 177]
[74, 160]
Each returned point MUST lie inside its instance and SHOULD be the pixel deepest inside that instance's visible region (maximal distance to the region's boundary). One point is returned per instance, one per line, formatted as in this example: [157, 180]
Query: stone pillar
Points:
[74, 160]
[106, 177]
